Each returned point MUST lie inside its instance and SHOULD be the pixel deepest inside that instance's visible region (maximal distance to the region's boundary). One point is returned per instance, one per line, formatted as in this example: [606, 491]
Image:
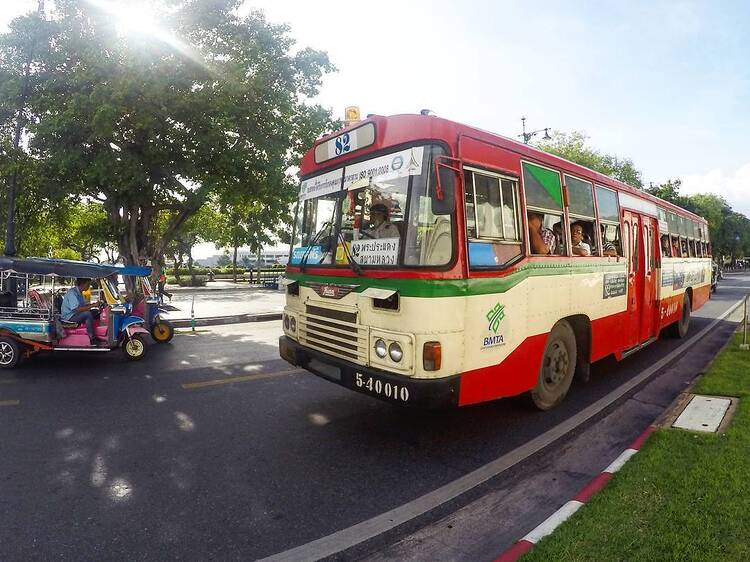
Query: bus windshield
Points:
[378, 212]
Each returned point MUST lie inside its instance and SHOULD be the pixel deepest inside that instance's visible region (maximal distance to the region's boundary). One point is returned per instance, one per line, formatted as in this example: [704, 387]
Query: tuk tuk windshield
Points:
[112, 288]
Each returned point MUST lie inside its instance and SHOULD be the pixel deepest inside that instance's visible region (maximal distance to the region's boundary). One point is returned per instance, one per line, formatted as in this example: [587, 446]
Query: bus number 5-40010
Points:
[376, 386]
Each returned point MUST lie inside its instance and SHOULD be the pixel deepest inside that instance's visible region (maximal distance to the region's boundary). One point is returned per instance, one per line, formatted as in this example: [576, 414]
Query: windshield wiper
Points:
[303, 261]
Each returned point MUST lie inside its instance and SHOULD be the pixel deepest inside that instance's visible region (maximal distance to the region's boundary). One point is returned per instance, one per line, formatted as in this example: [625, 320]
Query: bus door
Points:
[649, 305]
[635, 278]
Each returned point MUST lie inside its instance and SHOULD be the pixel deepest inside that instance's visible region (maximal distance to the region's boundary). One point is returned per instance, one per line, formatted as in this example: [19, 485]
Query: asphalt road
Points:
[175, 457]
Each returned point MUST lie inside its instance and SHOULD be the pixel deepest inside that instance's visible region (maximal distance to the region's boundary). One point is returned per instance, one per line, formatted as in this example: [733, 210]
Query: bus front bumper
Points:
[431, 394]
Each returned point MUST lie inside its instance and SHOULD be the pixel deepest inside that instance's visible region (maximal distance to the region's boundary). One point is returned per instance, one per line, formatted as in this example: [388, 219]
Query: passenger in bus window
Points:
[542, 240]
[684, 245]
[665, 249]
[608, 246]
[559, 241]
[676, 248]
[579, 247]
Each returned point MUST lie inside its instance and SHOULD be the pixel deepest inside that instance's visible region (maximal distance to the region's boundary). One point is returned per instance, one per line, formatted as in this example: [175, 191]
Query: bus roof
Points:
[400, 129]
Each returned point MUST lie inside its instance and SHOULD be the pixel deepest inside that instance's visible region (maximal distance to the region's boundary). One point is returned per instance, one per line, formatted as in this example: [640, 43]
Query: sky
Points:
[665, 83]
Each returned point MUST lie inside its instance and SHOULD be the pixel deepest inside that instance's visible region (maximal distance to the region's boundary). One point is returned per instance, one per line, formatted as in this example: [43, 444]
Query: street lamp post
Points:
[531, 134]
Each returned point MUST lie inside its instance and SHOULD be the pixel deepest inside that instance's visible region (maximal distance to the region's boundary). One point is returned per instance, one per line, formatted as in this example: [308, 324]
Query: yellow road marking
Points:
[9, 402]
[244, 378]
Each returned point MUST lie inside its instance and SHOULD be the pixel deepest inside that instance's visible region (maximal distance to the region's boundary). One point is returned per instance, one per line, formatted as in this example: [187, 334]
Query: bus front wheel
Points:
[558, 367]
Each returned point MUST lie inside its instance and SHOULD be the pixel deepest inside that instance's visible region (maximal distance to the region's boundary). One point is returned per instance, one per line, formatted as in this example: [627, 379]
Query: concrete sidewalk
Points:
[223, 303]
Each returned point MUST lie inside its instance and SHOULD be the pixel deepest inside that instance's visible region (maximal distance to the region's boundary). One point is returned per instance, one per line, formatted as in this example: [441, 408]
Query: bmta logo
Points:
[495, 316]
[343, 144]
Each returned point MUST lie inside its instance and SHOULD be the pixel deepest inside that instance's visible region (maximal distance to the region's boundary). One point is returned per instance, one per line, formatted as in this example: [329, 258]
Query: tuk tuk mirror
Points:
[443, 194]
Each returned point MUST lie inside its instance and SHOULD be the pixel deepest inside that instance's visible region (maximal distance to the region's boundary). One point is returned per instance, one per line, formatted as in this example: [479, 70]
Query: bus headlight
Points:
[380, 348]
[293, 324]
[395, 351]
[286, 322]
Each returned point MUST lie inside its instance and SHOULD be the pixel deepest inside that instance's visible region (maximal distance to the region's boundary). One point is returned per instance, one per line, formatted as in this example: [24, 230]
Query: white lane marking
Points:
[619, 461]
[360, 532]
[553, 521]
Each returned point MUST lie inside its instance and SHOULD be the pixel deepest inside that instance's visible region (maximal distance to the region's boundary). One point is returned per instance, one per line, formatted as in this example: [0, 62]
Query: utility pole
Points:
[10, 227]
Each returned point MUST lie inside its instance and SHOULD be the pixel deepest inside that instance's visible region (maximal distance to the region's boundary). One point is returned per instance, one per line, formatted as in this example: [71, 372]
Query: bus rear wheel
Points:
[680, 328]
[558, 367]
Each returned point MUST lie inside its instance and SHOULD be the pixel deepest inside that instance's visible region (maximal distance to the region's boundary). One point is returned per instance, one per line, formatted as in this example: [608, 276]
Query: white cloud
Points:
[733, 186]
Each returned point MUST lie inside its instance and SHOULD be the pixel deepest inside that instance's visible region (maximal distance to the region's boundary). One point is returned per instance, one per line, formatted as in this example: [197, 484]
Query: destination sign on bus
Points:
[391, 166]
[345, 143]
[321, 185]
[375, 252]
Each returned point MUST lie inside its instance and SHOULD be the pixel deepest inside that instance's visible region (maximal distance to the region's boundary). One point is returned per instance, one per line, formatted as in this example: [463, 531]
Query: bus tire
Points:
[557, 368]
[10, 353]
[680, 328]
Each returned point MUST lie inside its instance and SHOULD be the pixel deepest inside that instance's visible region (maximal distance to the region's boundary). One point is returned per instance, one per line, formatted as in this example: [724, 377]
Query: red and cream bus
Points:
[435, 264]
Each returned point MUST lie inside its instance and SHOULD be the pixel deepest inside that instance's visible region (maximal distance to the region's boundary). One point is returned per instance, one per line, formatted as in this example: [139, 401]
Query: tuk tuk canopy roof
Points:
[60, 268]
[135, 270]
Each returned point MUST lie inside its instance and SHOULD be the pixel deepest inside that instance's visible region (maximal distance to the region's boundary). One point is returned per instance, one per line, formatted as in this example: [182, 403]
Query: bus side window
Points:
[666, 249]
[611, 243]
[544, 215]
[492, 219]
[582, 216]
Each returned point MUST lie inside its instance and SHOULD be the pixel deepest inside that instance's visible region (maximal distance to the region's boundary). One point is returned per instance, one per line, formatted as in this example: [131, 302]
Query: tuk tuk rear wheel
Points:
[162, 332]
[10, 353]
[134, 347]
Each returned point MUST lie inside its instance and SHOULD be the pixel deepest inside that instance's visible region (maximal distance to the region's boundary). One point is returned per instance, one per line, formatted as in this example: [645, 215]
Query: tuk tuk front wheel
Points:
[134, 347]
[10, 353]
[162, 332]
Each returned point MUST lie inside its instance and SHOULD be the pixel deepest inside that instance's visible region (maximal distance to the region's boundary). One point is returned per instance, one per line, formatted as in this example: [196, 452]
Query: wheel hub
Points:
[557, 366]
[6, 353]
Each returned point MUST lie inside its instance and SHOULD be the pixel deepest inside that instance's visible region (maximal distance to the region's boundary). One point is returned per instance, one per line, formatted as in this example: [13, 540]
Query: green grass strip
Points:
[684, 497]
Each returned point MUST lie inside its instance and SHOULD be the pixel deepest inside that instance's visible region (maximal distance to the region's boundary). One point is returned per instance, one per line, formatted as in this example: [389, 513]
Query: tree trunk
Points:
[257, 261]
[178, 265]
[190, 266]
[234, 261]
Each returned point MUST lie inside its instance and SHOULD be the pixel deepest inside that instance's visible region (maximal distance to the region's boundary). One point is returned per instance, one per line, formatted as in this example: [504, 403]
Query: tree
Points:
[152, 128]
[244, 222]
[669, 191]
[572, 146]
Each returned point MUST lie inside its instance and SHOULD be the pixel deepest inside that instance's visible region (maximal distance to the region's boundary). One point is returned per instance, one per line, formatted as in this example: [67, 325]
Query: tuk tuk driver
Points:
[75, 309]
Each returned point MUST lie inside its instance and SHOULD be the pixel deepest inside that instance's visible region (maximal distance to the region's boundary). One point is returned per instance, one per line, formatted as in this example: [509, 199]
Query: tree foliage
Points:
[151, 127]
[572, 146]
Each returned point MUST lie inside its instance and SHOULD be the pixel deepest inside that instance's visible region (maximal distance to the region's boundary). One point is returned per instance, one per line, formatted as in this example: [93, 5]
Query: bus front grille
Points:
[334, 332]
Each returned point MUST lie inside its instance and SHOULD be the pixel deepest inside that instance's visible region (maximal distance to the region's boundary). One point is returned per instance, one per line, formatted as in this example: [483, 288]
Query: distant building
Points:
[247, 258]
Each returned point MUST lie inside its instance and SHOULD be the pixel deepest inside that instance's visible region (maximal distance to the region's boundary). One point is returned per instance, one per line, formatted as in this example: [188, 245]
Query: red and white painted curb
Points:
[552, 522]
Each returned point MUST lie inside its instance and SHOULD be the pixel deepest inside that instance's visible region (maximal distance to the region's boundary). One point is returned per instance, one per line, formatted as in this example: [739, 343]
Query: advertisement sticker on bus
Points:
[314, 254]
[320, 185]
[396, 165]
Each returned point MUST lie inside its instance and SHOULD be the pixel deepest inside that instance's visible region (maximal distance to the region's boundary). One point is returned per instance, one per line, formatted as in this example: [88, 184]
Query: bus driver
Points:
[380, 225]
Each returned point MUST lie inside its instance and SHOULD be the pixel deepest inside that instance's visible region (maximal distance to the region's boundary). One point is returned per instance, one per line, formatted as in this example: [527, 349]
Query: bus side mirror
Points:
[443, 194]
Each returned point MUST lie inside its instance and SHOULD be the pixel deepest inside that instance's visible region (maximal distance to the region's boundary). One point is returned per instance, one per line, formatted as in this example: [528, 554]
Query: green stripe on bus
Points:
[460, 287]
